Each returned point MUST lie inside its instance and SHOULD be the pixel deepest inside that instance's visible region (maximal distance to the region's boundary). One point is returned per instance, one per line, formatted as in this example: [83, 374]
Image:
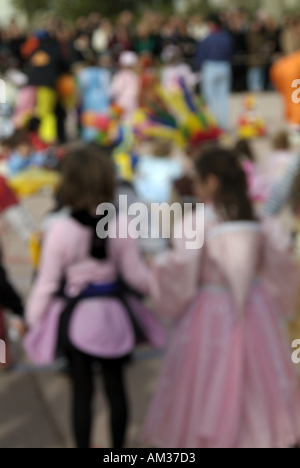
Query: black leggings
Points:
[83, 391]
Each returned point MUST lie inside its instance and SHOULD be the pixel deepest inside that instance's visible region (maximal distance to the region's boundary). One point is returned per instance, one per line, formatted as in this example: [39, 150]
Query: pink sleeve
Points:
[126, 255]
[280, 272]
[49, 276]
[174, 278]
[174, 281]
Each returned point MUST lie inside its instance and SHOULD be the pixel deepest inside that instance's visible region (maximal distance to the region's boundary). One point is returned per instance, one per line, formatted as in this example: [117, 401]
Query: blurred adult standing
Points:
[102, 36]
[290, 36]
[144, 42]
[121, 42]
[213, 57]
[197, 28]
[238, 29]
[255, 40]
[185, 42]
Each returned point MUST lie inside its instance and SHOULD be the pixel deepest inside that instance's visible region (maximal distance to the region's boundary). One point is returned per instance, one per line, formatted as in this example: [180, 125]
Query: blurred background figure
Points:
[255, 41]
[125, 86]
[213, 58]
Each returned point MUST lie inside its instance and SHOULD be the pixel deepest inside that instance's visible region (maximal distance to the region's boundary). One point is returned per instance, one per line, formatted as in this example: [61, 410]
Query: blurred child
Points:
[94, 82]
[153, 184]
[228, 379]
[280, 158]
[156, 173]
[23, 157]
[175, 70]
[257, 185]
[125, 86]
[80, 297]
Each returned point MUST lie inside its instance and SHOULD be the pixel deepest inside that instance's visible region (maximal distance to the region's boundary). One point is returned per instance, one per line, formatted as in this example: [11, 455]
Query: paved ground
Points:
[34, 404]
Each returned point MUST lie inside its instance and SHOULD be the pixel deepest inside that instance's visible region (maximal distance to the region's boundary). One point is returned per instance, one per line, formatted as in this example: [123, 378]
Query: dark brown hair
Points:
[281, 141]
[295, 194]
[243, 149]
[232, 200]
[88, 178]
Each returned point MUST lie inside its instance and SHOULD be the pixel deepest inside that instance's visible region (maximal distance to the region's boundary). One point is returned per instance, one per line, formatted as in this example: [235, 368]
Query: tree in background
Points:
[32, 7]
[72, 9]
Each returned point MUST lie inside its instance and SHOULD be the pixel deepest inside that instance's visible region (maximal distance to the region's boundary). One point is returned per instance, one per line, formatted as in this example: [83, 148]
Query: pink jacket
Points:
[99, 326]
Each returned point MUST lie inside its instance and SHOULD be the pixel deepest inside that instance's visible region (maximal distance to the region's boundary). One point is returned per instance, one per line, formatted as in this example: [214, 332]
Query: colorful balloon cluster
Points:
[107, 125]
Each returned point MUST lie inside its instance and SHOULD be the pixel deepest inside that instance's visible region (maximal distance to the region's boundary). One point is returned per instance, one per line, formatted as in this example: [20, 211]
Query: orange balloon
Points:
[66, 86]
[283, 73]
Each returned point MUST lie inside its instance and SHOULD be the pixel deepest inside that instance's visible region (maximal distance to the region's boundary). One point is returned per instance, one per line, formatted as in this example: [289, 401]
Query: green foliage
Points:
[32, 7]
[72, 9]
[204, 7]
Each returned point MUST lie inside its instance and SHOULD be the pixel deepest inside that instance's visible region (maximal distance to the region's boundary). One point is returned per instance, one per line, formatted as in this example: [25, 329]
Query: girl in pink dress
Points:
[227, 379]
[82, 304]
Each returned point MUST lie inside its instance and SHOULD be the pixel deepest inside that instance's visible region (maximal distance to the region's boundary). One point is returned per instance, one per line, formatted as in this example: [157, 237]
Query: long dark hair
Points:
[232, 200]
[295, 194]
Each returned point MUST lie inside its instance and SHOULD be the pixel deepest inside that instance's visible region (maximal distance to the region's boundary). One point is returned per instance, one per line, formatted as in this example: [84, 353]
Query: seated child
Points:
[23, 157]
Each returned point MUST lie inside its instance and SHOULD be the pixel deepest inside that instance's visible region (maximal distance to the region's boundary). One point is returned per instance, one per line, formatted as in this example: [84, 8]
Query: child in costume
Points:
[125, 86]
[227, 379]
[175, 113]
[251, 124]
[175, 70]
[79, 300]
[94, 84]
[44, 63]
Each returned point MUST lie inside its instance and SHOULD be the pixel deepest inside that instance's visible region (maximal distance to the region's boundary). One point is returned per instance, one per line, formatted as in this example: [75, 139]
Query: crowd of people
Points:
[102, 111]
[257, 40]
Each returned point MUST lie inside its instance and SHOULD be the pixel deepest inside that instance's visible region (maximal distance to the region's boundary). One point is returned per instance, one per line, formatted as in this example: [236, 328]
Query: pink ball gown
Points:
[227, 379]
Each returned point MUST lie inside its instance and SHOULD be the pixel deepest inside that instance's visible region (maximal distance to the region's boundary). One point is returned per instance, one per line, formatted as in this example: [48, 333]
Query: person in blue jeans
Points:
[213, 58]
